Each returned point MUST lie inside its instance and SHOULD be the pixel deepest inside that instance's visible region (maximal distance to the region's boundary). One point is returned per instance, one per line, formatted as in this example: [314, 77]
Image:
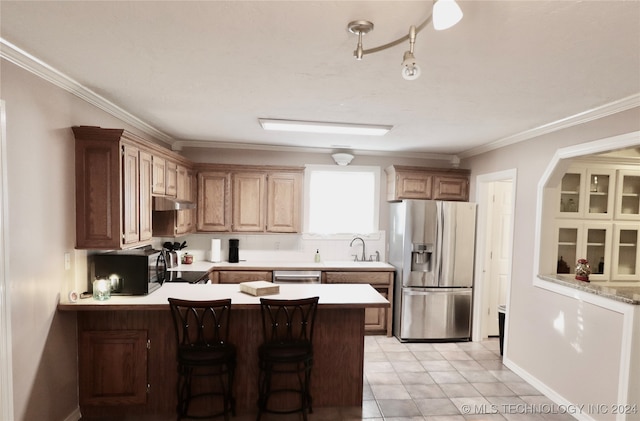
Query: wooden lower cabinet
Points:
[113, 367]
[237, 276]
[377, 320]
[113, 353]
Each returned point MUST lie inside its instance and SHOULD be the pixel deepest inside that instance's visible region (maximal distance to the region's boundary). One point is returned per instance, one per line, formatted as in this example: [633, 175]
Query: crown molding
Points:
[605, 110]
[179, 145]
[41, 69]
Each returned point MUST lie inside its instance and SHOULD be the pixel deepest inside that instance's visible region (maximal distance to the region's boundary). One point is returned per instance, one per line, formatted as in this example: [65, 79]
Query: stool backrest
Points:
[288, 320]
[200, 323]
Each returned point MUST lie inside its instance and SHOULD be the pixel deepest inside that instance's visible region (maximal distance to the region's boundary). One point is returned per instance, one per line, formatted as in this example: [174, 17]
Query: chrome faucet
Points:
[363, 253]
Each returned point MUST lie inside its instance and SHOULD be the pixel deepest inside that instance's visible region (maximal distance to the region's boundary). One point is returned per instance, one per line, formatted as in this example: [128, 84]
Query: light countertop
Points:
[629, 295]
[331, 295]
[204, 266]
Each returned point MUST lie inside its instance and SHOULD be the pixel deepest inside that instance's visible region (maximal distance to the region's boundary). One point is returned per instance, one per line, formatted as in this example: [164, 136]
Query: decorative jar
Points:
[583, 270]
[101, 289]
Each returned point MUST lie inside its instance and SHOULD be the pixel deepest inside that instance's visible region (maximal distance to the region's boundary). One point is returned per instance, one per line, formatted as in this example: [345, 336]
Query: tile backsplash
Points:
[287, 247]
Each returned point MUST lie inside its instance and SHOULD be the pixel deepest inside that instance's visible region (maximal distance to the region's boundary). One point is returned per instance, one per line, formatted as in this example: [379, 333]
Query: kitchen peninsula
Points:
[127, 362]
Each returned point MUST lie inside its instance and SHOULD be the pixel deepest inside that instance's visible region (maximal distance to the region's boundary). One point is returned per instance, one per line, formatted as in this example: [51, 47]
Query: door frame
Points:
[6, 365]
[483, 198]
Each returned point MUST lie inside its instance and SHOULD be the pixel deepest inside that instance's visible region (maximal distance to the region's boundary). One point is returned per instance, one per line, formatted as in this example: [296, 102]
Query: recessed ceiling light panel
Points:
[324, 127]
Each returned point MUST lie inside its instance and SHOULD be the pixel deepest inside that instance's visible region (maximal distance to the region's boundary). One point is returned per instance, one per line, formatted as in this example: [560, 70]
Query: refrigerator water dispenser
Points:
[421, 255]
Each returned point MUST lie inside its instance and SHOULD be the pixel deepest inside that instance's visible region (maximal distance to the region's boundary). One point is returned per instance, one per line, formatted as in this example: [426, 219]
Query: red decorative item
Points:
[583, 270]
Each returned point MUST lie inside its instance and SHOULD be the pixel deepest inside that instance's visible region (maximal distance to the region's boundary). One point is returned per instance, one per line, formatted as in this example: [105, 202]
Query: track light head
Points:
[410, 68]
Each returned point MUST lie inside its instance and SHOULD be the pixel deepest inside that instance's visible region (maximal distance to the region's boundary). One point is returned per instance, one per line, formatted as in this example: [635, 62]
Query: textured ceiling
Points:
[205, 71]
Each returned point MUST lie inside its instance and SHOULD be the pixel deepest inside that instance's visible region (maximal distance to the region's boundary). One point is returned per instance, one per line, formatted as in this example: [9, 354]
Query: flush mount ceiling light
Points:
[445, 14]
[324, 127]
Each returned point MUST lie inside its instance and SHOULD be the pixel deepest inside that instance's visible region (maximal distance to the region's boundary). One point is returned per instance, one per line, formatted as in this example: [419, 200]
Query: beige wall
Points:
[569, 364]
[41, 195]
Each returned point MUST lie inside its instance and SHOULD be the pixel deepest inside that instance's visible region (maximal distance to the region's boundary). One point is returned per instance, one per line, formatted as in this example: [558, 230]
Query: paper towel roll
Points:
[215, 250]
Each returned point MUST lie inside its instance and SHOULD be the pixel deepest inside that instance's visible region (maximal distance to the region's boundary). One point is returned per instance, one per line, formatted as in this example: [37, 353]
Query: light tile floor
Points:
[454, 381]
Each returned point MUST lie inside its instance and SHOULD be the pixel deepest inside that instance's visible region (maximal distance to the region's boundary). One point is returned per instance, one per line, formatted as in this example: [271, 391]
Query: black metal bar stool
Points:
[204, 354]
[287, 350]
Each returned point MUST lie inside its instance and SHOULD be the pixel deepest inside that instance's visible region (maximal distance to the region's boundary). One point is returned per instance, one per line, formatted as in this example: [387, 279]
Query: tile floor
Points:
[456, 381]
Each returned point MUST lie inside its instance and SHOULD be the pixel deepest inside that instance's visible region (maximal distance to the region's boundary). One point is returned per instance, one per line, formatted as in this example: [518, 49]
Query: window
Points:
[341, 200]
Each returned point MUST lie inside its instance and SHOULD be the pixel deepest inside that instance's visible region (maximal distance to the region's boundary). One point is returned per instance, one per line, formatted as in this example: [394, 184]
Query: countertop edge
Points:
[162, 307]
[337, 296]
[613, 293]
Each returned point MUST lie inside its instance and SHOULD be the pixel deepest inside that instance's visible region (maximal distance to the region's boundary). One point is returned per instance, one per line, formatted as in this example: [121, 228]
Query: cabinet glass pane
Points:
[567, 243]
[599, 194]
[630, 200]
[627, 252]
[596, 239]
[570, 193]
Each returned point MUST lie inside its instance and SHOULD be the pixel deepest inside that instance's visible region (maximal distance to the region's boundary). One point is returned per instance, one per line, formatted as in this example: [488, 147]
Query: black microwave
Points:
[131, 272]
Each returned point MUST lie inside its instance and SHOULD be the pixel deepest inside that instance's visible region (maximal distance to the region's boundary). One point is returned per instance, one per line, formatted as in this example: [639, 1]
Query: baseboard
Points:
[76, 415]
[555, 397]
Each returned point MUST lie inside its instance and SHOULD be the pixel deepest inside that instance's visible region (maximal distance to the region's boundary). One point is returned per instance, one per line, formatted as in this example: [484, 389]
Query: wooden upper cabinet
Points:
[283, 202]
[239, 198]
[214, 206]
[451, 187]
[165, 176]
[159, 176]
[181, 222]
[183, 183]
[413, 185]
[249, 192]
[145, 188]
[130, 194]
[404, 182]
[110, 205]
[171, 178]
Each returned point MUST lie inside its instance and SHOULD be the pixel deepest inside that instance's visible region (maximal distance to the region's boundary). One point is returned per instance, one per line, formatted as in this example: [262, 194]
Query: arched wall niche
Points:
[618, 150]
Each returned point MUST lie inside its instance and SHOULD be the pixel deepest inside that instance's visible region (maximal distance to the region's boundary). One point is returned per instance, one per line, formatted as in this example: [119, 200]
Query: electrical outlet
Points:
[67, 261]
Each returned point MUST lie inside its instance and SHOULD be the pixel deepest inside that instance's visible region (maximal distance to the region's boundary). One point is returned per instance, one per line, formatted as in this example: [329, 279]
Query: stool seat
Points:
[287, 351]
[208, 355]
[203, 352]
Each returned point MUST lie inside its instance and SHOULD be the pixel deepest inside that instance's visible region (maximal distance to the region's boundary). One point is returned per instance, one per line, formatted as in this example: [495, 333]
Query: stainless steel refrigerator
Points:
[432, 247]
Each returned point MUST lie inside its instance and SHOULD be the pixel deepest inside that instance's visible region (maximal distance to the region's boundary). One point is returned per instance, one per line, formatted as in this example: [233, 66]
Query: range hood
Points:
[170, 204]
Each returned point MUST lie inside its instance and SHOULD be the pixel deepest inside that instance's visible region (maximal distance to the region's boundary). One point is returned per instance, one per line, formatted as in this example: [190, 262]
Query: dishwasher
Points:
[297, 276]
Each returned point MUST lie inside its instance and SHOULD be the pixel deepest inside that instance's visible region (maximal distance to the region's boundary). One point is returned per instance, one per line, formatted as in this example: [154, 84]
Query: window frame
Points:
[309, 168]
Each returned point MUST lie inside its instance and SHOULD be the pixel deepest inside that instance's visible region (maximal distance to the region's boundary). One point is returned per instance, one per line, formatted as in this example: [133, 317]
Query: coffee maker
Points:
[234, 250]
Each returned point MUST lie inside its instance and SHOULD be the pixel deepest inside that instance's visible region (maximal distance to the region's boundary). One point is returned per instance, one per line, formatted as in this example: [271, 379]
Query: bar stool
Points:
[287, 350]
[203, 353]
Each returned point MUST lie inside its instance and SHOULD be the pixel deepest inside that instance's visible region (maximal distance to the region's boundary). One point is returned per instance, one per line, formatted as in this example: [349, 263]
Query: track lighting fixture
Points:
[410, 70]
[445, 14]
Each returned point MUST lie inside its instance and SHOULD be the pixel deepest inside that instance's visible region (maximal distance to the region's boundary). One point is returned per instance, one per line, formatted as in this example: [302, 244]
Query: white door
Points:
[498, 253]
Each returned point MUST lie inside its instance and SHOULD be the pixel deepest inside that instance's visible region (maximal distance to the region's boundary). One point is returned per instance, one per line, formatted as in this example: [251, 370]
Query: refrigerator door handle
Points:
[439, 241]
